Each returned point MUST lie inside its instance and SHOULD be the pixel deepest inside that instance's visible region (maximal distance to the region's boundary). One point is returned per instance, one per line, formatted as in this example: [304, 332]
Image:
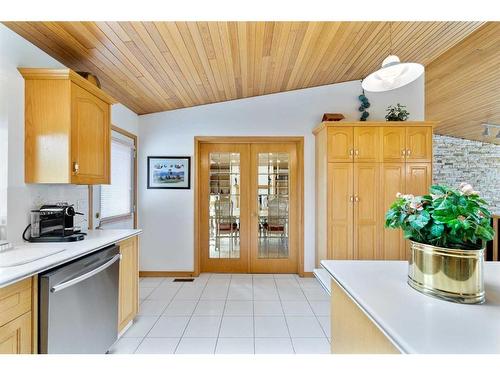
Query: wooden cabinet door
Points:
[15, 336]
[340, 210]
[340, 144]
[392, 181]
[393, 144]
[366, 210]
[367, 144]
[418, 178]
[90, 138]
[419, 144]
[129, 280]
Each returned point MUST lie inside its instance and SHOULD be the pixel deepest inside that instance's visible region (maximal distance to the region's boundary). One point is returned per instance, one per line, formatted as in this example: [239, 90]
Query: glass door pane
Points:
[273, 202]
[224, 205]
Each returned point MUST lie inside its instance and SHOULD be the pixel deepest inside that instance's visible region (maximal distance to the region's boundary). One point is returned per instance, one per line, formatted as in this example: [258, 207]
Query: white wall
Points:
[166, 216]
[16, 197]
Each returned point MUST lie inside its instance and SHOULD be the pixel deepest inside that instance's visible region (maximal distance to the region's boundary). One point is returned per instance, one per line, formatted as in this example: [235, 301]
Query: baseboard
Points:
[167, 274]
[307, 274]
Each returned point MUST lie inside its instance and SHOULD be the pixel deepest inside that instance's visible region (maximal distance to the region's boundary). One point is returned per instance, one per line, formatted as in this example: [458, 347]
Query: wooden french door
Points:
[273, 206]
[224, 193]
[248, 200]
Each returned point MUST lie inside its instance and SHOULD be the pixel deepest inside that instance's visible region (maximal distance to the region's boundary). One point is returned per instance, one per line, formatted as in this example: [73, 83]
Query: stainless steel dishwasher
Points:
[79, 305]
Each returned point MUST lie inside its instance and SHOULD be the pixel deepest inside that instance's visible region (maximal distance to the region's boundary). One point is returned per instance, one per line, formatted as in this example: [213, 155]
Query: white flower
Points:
[466, 189]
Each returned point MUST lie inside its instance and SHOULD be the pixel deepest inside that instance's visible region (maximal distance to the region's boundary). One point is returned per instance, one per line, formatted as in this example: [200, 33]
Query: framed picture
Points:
[169, 172]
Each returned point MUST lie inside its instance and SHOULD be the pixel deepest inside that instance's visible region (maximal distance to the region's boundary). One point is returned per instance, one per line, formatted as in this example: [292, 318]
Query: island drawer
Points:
[15, 300]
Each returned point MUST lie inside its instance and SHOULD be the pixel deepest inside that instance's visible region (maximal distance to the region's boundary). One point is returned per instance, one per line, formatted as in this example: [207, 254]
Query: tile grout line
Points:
[315, 315]
[191, 316]
[156, 321]
[231, 283]
[222, 317]
[284, 315]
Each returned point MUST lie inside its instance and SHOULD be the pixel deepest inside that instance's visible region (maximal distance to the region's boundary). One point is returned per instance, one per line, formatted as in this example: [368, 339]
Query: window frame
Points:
[133, 213]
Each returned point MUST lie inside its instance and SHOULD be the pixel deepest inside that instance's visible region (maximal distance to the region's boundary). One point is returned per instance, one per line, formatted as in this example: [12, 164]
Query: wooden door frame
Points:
[299, 143]
[90, 187]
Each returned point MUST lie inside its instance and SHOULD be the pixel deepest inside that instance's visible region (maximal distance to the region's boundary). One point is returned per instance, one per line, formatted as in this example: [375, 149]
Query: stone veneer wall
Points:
[459, 160]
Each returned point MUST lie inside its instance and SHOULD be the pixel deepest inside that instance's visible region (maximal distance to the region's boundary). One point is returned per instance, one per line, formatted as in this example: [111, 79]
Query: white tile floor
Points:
[230, 314]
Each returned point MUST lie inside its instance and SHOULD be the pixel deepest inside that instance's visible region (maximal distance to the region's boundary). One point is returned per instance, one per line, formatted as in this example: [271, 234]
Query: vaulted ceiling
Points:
[462, 86]
[158, 66]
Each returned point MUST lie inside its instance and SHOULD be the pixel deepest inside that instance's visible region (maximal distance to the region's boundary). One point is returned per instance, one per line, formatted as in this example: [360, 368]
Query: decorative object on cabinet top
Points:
[397, 113]
[415, 124]
[91, 78]
[333, 117]
[364, 105]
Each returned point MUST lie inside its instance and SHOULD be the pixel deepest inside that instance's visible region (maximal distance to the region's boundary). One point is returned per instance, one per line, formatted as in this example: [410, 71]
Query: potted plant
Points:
[397, 113]
[447, 229]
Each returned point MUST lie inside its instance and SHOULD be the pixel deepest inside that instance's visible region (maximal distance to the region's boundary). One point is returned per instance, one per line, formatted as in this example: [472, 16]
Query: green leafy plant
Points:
[451, 218]
[397, 113]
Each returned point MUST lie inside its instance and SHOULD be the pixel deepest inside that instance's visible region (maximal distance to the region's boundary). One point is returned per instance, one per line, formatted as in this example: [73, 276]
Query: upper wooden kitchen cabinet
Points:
[360, 167]
[67, 128]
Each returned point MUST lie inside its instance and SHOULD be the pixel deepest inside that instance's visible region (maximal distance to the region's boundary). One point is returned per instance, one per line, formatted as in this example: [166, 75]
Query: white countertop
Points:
[95, 240]
[417, 323]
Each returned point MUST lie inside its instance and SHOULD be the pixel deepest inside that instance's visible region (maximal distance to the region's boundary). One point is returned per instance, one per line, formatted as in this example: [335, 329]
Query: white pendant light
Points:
[393, 74]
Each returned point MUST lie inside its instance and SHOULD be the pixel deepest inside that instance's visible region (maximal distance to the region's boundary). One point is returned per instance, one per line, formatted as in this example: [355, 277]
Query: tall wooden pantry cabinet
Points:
[360, 166]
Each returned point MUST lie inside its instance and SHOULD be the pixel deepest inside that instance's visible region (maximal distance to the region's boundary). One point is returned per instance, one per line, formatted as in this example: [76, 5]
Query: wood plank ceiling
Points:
[463, 86]
[158, 66]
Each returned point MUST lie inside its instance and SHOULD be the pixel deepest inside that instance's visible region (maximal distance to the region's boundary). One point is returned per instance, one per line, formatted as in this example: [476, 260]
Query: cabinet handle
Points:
[351, 152]
[356, 198]
[356, 152]
[403, 152]
[408, 152]
[351, 198]
[76, 167]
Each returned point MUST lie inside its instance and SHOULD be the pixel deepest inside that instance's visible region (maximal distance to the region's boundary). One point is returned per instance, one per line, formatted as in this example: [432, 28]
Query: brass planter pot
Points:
[450, 274]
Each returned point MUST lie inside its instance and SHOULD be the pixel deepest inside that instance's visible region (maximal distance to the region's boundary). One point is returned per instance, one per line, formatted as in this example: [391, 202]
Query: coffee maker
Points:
[54, 223]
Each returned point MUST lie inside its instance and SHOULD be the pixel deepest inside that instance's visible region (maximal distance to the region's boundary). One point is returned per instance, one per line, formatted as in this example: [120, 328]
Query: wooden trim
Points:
[135, 139]
[325, 124]
[253, 139]
[34, 314]
[196, 244]
[91, 197]
[299, 141]
[41, 73]
[167, 274]
[124, 132]
[114, 219]
[307, 274]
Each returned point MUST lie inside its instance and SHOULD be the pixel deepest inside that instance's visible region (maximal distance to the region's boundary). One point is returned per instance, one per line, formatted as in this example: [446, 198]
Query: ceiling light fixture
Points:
[393, 74]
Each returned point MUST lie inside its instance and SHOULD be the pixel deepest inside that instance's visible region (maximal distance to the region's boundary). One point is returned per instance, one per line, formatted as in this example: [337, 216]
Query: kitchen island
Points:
[374, 310]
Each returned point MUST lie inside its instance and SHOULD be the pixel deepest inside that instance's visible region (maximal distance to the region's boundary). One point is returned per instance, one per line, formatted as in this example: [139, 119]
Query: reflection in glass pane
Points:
[273, 178]
[224, 205]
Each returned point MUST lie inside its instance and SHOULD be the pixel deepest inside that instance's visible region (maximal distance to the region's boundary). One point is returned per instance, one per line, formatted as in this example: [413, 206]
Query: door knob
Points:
[356, 152]
[351, 198]
[351, 152]
[403, 152]
[76, 167]
[356, 198]
[408, 152]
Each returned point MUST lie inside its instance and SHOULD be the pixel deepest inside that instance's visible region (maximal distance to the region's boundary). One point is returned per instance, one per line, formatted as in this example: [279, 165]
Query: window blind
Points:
[116, 198]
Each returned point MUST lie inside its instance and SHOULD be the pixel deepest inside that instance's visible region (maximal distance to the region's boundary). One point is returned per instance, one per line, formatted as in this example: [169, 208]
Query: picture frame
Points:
[169, 172]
